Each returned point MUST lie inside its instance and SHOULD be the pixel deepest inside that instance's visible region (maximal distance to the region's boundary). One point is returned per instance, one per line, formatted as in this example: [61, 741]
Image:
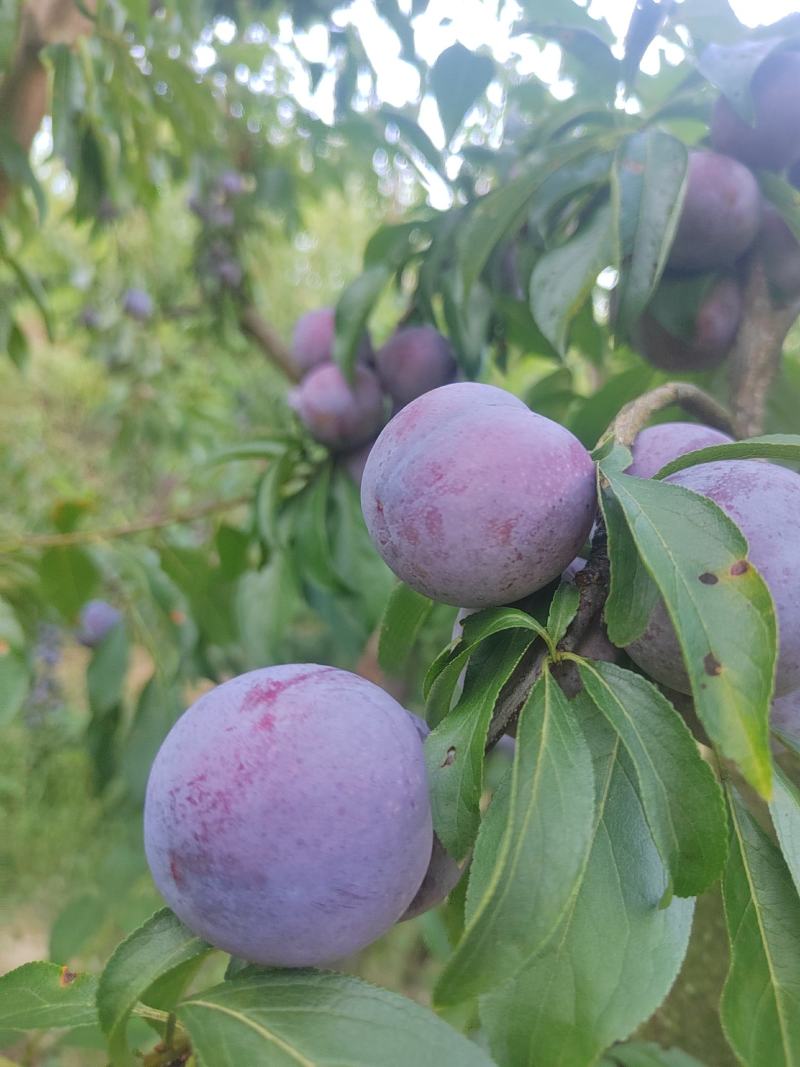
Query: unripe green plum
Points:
[287, 818]
[720, 214]
[473, 499]
[312, 341]
[414, 361]
[336, 413]
[780, 253]
[656, 446]
[763, 499]
[713, 333]
[772, 142]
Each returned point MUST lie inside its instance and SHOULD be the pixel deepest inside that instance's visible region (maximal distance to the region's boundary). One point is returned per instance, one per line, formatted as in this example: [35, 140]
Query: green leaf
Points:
[564, 277]
[69, 577]
[458, 78]
[760, 1009]
[726, 629]
[648, 182]
[304, 1018]
[313, 552]
[416, 137]
[616, 953]
[518, 901]
[105, 674]
[404, 617]
[44, 996]
[646, 1054]
[682, 802]
[454, 751]
[580, 168]
[157, 709]
[785, 811]
[17, 346]
[782, 447]
[266, 448]
[632, 592]
[162, 944]
[784, 197]
[14, 682]
[563, 608]
[75, 924]
[353, 310]
[731, 68]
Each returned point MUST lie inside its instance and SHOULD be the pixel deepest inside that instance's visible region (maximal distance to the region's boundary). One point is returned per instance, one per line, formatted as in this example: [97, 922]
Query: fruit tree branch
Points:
[268, 339]
[634, 416]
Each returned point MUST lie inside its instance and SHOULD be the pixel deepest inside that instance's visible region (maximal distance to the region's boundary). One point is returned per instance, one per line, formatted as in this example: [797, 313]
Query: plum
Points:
[312, 341]
[287, 818]
[720, 214]
[96, 620]
[711, 338]
[231, 183]
[472, 499]
[414, 361]
[655, 446]
[780, 253]
[337, 414]
[785, 714]
[138, 305]
[763, 499]
[772, 142]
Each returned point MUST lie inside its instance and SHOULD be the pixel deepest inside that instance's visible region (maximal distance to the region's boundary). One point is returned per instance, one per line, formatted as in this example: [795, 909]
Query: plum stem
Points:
[634, 416]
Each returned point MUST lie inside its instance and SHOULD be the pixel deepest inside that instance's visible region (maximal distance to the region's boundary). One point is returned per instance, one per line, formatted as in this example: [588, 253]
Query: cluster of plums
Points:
[347, 416]
[287, 817]
[723, 217]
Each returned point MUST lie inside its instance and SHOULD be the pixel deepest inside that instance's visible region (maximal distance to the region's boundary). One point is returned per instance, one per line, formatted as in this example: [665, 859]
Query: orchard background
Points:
[180, 183]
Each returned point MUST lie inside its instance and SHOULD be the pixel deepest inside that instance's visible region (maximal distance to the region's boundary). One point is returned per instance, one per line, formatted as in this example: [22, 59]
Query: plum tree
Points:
[780, 253]
[414, 361]
[138, 304]
[772, 141]
[720, 214]
[96, 620]
[763, 499]
[473, 499]
[287, 817]
[312, 341]
[655, 446]
[337, 414]
[708, 340]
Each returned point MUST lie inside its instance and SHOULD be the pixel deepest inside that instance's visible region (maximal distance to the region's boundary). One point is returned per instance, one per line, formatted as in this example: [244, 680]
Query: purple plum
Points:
[472, 499]
[763, 499]
[414, 361]
[138, 305]
[656, 446]
[335, 413]
[312, 341]
[786, 715]
[714, 330]
[287, 818]
[97, 619]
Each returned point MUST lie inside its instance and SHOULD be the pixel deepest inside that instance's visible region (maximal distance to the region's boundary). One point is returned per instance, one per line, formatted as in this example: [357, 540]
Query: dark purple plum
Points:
[714, 331]
[656, 446]
[474, 500]
[231, 183]
[763, 499]
[720, 215]
[97, 619]
[414, 361]
[287, 818]
[772, 141]
[138, 305]
[312, 341]
[335, 413]
[780, 253]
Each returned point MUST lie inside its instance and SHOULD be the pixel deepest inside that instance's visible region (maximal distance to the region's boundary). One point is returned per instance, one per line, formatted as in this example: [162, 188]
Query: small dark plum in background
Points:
[474, 500]
[231, 183]
[312, 341]
[336, 413]
[138, 305]
[656, 446]
[355, 462]
[414, 361]
[711, 339]
[772, 142]
[720, 215]
[763, 500]
[780, 253]
[97, 619]
[287, 818]
[90, 318]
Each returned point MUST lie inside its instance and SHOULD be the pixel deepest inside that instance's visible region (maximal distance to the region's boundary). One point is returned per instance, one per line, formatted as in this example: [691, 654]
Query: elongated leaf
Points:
[156, 948]
[563, 278]
[267, 448]
[646, 1054]
[785, 811]
[458, 78]
[616, 953]
[69, 577]
[415, 136]
[648, 181]
[563, 609]
[726, 629]
[682, 802]
[632, 592]
[14, 682]
[306, 1018]
[353, 310]
[783, 447]
[584, 168]
[402, 621]
[550, 814]
[454, 751]
[760, 1008]
[44, 996]
[731, 69]
[105, 674]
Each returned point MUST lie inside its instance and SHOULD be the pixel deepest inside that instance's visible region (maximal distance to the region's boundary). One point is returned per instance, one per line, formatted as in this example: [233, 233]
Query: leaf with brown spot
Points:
[46, 996]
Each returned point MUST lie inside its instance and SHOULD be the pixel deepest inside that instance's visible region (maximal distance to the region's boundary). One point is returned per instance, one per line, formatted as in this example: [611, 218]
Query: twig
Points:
[82, 537]
[756, 354]
[635, 415]
[267, 338]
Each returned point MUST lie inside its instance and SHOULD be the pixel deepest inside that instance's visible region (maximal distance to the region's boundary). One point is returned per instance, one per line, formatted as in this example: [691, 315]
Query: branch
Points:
[756, 354]
[635, 415]
[83, 537]
[268, 339]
